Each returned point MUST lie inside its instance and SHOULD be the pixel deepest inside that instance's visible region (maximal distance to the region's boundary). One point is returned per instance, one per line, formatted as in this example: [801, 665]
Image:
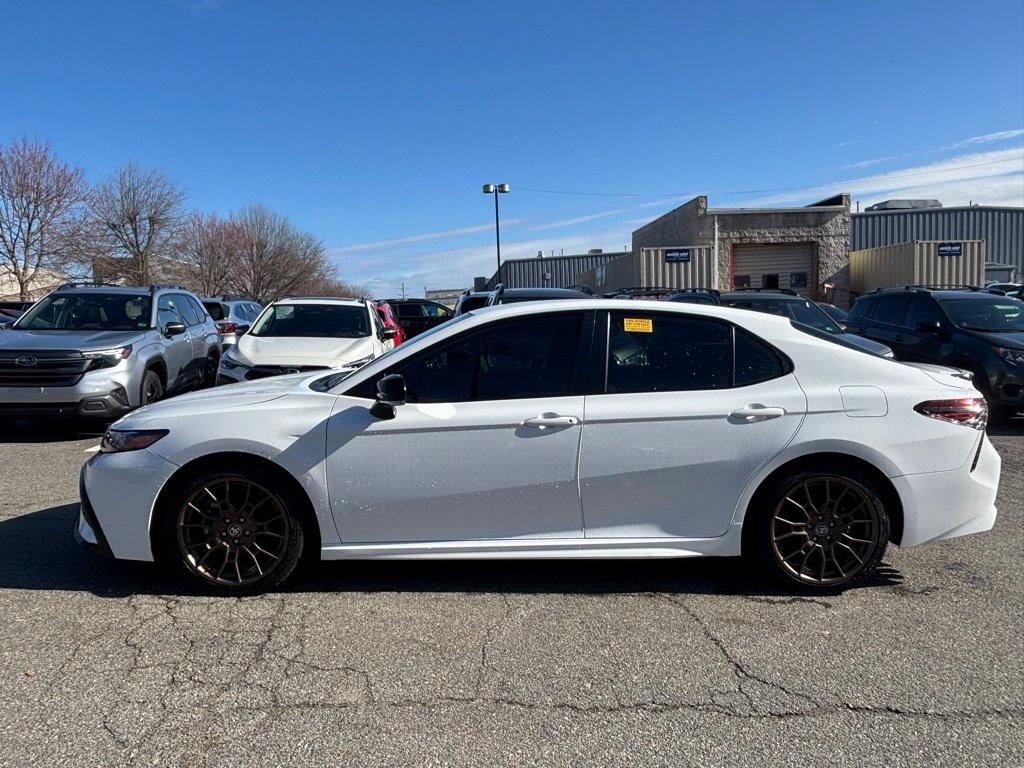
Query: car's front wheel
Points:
[821, 529]
[232, 532]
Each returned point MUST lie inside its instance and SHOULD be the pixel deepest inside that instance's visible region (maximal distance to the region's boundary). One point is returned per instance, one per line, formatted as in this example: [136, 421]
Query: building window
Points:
[741, 281]
[797, 279]
[770, 281]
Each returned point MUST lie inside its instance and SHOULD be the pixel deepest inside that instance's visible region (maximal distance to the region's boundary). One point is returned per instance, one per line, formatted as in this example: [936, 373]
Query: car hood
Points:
[217, 399]
[287, 350]
[1011, 339]
[15, 338]
[868, 345]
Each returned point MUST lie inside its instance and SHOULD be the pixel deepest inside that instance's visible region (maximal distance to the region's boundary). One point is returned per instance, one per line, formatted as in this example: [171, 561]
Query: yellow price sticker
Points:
[637, 325]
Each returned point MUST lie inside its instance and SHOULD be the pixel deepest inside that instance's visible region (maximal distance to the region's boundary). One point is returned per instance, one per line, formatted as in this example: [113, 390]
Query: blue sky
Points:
[374, 124]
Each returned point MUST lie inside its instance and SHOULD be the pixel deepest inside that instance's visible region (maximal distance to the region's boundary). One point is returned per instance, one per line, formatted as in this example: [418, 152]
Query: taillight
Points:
[226, 327]
[969, 411]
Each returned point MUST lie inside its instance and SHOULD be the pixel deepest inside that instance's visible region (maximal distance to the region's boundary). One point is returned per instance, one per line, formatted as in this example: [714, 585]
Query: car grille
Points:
[265, 371]
[46, 368]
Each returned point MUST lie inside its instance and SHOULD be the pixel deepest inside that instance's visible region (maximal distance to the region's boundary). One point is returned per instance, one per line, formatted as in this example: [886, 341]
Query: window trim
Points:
[578, 382]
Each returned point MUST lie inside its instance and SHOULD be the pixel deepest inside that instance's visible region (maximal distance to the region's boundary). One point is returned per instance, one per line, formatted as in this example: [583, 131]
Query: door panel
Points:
[675, 463]
[454, 471]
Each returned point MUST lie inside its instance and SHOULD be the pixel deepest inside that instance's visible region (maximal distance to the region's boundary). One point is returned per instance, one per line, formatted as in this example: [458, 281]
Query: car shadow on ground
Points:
[37, 552]
[51, 431]
[1007, 427]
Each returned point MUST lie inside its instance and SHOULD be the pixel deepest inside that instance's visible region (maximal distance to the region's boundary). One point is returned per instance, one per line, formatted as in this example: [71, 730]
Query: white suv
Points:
[306, 334]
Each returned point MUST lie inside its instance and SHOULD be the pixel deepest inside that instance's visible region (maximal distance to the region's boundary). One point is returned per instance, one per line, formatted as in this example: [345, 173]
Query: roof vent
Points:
[903, 205]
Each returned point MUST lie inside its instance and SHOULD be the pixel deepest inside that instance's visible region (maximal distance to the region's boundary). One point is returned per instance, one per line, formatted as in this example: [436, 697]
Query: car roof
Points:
[938, 293]
[408, 301]
[321, 300]
[541, 292]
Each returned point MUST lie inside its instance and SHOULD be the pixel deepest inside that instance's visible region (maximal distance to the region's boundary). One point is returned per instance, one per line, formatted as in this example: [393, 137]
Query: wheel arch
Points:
[831, 460]
[233, 461]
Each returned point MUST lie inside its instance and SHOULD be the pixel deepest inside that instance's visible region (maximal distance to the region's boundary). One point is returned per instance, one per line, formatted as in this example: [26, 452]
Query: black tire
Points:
[196, 553]
[819, 551]
[151, 389]
[210, 371]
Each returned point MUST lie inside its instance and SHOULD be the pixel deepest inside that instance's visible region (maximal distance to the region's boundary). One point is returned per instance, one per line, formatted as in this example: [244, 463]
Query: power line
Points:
[769, 189]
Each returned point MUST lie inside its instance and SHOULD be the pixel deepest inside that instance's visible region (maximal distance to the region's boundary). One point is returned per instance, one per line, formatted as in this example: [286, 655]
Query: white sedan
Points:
[556, 430]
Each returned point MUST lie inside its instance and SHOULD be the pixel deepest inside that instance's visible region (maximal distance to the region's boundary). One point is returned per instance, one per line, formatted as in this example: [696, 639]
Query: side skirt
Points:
[566, 549]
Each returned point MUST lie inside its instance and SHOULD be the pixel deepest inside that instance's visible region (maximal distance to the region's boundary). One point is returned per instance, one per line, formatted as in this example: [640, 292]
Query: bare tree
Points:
[209, 249]
[277, 259]
[42, 213]
[138, 211]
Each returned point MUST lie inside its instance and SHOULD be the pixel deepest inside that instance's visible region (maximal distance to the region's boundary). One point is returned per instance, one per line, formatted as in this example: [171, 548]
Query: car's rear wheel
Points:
[232, 532]
[210, 372]
[152, 388]
[822, 530]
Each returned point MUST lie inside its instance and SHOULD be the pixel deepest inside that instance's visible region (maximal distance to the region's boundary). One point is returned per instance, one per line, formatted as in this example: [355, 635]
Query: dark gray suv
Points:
[99, 351]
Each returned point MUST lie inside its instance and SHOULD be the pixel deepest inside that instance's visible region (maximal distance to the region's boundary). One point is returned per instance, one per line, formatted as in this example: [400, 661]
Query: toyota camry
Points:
[569, 429]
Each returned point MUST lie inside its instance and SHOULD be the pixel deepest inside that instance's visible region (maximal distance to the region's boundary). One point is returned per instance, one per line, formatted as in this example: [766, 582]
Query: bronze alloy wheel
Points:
[232, 532]
[825, 530]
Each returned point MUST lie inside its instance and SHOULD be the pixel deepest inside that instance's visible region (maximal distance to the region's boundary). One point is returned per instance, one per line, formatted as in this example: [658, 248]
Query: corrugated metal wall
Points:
[916, 264]
[548, 272]
[649, 268]
[1001, 228]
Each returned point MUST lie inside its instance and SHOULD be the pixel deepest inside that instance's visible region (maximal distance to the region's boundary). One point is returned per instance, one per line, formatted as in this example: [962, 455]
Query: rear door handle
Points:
[757, 412]
[546, 420]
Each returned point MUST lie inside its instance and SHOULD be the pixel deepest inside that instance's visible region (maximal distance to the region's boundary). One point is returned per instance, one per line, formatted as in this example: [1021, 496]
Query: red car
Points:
[387, 316]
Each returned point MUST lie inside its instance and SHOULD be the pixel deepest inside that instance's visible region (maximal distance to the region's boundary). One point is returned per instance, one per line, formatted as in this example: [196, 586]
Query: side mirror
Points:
[389, 333]
[174, 329]
[929, 326]
[390, 394]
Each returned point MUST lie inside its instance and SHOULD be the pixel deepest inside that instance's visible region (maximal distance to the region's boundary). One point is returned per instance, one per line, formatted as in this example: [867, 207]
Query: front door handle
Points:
[546, 420]
[757, 412]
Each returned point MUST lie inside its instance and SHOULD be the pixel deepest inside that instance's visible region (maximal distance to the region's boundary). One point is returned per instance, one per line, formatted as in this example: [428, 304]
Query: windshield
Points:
[88, 312]
[321, 321]
[803, 312]
[996, 314]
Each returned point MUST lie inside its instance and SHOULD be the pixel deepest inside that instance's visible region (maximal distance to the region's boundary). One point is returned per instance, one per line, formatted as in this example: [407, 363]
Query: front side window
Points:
[436, 310]
[921, 310]
[88, 312]
[997, 314]
[532, 357]
[332, 321]
[666, 353]
[410, 309]
[166, 312]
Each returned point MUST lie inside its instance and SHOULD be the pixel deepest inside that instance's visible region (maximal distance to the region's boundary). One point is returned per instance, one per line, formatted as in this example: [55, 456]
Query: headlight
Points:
[121, 440]
[108, 358]
[357, 363]
[228, 362]
[1012, 356]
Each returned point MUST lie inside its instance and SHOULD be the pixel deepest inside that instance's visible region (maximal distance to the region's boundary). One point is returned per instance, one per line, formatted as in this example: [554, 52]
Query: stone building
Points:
[806, 249]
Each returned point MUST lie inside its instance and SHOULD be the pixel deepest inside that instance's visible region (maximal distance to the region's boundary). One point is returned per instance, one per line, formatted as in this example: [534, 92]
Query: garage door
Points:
[789, 265]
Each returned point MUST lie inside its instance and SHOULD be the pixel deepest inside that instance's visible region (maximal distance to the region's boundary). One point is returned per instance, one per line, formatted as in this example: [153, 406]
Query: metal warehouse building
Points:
[548, 272]
[904, 221]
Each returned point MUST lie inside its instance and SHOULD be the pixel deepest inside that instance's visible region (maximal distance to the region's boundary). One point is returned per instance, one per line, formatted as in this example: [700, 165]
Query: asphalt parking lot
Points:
[627, 663]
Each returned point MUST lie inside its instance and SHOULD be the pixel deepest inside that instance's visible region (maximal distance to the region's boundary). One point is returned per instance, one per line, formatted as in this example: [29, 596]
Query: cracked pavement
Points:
[657, 663]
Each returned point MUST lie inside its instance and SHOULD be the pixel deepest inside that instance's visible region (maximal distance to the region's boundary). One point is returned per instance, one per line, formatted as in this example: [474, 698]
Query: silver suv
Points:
[99, 351]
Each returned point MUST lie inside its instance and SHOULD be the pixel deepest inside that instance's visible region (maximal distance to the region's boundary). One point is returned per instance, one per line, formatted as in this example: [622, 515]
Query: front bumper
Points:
[1007, 387]
[118, 493]
[95, 395]
[945, 505]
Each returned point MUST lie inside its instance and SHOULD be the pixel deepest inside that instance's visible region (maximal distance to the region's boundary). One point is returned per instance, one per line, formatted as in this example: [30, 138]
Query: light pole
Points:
[494, 189]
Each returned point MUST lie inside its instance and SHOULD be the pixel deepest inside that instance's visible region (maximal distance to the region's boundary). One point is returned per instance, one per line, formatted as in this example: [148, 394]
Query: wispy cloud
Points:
[986, 138]
[603, 214]
[423, 237]
[848, 143]
[961, 178]
[866, 163]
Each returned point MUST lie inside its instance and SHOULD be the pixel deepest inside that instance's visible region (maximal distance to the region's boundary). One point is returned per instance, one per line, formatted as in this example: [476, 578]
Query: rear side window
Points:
[922, 311]
[889, 309]
[409, 309]
[215, 308]
[186, 310]
[667, 353]
[755, 361]
[198, 308]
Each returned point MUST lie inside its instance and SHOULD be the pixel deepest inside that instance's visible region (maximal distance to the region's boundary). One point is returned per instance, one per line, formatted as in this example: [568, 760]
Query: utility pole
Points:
[403, 291]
